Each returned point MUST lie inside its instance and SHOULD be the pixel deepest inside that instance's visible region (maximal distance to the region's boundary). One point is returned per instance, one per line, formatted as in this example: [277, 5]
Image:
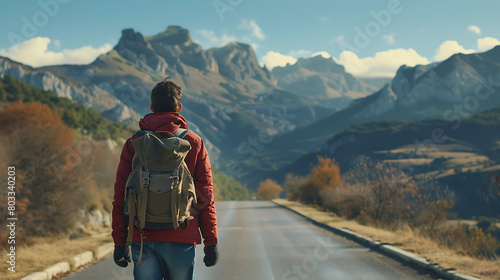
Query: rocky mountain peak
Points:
[321, 78]
[174, 35]
[238, 62]
[238, 45]
[320, 64]
[130, 37]
[136, 49]
[236, 48]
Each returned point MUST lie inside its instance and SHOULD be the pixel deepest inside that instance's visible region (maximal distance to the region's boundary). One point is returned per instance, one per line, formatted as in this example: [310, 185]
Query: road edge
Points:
[393, 252]
[73, 263]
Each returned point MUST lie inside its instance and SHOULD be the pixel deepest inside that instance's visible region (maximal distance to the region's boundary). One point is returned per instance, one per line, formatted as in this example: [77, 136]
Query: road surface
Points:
[259, 240]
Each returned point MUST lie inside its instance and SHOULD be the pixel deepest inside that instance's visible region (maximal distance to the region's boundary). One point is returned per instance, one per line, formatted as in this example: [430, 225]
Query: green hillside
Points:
[75, 116]
[226, 188]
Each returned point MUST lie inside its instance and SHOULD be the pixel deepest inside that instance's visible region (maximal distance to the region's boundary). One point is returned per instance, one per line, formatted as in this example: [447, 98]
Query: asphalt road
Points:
[258, 240]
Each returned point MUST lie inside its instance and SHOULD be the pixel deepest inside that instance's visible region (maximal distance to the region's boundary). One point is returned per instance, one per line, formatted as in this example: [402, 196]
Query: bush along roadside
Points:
[380, 195]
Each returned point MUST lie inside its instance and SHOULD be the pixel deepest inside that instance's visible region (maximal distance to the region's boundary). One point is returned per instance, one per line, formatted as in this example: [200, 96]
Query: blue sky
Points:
[370, 37]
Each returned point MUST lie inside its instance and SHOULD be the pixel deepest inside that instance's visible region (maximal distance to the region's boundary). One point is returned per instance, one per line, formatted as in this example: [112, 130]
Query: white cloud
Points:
[253, 27]
[487, 43]
[273, 59]
[383, 64]
[389, 38]
[449, 48]
[474, 28]
[35, 52]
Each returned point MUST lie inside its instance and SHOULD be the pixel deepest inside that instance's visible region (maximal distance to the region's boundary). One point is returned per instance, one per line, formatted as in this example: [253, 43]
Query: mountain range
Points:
[228, 96]
[434, 122]
[322, 79]
[451, 90]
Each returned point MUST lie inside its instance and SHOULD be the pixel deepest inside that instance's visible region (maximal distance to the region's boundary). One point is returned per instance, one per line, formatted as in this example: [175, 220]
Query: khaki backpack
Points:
[160, 190]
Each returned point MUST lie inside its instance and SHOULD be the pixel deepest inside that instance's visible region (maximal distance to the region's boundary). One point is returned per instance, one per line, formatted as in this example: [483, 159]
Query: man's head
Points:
[166, 97]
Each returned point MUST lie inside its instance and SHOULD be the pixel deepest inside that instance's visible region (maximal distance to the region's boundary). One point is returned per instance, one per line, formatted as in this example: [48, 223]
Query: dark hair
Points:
[166, 96]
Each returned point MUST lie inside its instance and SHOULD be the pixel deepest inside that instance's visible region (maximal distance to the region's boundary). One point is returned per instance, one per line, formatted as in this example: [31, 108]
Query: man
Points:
[167, 253]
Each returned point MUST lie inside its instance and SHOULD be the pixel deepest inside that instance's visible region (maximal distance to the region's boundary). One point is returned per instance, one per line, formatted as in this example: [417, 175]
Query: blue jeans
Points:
[163, 260]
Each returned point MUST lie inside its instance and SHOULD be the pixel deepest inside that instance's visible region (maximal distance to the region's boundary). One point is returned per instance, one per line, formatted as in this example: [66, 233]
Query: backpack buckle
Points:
[145, 178]
[145, 182]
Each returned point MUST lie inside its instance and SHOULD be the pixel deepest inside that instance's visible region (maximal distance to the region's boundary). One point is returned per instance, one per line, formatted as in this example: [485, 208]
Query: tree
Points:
[324, 176]
[268, 189]
[50, 172]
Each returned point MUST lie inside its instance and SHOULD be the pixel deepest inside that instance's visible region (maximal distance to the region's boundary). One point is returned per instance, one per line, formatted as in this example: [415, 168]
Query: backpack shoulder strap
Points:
[141, 133]
[181, 132]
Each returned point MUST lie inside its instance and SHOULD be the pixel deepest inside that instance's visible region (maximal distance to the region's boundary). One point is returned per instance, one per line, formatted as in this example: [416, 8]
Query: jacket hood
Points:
[163, 122]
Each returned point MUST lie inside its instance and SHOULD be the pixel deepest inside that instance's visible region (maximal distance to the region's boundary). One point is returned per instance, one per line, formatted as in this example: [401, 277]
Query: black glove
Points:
[211, 255]
[122, 255]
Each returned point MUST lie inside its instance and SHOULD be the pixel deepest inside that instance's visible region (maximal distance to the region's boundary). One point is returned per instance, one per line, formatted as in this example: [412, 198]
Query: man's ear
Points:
[151, 107]
[180, 107]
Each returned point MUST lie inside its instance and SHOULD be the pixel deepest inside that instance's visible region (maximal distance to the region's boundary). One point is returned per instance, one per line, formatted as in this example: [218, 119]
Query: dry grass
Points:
[491, 168]
[46, 252]
[466, 161]
[407, 240]
[455, 155]
[411, 161]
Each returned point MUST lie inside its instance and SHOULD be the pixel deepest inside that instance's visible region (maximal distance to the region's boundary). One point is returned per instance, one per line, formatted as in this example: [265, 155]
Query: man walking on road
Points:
[167, 253]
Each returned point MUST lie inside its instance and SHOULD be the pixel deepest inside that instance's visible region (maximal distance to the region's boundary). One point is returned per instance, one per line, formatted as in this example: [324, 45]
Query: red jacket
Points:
[198, 164]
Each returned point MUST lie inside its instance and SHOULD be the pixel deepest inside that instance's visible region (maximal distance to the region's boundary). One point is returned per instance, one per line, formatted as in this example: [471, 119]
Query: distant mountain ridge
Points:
[451, 90]
[321, 78]
[458, 79]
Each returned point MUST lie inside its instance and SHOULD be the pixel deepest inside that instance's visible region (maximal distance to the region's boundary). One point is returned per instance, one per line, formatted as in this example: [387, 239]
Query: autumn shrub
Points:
[347, 201]
[50, 174]
[436, 204]
[467, 240]
[376, 194]
[382, 195]
[268, 189]
[324, 176]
